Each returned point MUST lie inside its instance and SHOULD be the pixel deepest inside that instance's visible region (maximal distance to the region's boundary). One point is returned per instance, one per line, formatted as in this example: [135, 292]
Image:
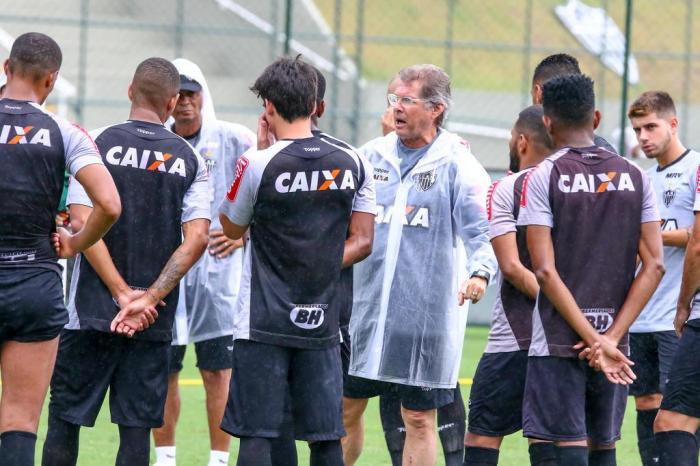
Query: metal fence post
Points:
[600, 83]
[82, 61]
[337, 25]
[625, 75]
[359, 39]
[449, 41]
[274, 37]
[179, 27]
[527, 84]
[287, 26]
[688, 67]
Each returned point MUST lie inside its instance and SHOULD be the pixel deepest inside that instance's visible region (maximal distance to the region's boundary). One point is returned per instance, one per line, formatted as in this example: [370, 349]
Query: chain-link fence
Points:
[488, 48]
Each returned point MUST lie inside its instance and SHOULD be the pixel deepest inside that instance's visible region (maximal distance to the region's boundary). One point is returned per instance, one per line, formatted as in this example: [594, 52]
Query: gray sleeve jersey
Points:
[196, 202]
[80, 147]
[535, 208]
[500, 207]
[693, 183]
[76, 193]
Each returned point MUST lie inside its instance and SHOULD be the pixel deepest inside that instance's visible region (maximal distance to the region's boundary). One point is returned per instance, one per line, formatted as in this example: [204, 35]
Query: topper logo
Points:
[131, 158]
[309, 181]
[20, 134]
[598, 183]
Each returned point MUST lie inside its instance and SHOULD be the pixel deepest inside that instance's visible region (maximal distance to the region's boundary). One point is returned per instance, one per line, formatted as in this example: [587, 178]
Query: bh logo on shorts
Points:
[600, 318]
[308, 316]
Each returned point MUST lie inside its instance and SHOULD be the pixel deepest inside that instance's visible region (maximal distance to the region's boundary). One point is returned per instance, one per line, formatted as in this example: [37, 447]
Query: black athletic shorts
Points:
[682, 393]
[652, 354]
[89, 362]
[496, 398]
[212, 355]
[31, 304]
[412, 397]
[266, 377]
[566, 400]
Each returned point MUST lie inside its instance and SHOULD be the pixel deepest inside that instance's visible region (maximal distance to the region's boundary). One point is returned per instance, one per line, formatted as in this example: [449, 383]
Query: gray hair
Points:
[435, 86]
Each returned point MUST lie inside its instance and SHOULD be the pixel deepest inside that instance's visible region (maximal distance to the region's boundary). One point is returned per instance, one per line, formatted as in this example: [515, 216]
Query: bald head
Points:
[156, 81]
[34, 56]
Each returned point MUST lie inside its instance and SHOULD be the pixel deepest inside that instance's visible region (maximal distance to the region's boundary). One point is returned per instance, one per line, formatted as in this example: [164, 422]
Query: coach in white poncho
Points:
[406, 330]
[208, 292]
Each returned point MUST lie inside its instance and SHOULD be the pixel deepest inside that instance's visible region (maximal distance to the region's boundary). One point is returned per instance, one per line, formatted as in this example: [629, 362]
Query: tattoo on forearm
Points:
[174, 270]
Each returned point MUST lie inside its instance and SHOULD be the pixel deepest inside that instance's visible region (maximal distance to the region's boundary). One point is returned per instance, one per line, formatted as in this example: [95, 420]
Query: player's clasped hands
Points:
[138, 312]
[62, 244]
[604, 356]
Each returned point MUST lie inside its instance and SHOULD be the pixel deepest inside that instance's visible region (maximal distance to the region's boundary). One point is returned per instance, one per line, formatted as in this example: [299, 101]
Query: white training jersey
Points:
[674, 186]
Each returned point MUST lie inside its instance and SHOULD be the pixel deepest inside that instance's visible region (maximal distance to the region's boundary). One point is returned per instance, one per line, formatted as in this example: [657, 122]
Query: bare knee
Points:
[482, 441]
[420, 422]
[215, 379]
[648, 402]
[353, 408]
[670, 420]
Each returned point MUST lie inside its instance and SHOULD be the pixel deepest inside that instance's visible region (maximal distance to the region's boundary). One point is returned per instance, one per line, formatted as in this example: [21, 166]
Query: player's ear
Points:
[270, 108]
[6, 67]
[172, 103]
[522, 144]
[320, 108]
[674, 124]
[50, 80]
[536, 93]
[596, 119]
[130, 93]
[547, 122]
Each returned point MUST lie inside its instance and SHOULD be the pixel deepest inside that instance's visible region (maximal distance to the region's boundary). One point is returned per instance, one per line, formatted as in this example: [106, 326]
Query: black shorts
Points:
[682, 394]
[89, 362]
[565, 400]
[412, 397]
[267, 377]
[652, 354]
[31, 304]
[212, 355]
[496, 398]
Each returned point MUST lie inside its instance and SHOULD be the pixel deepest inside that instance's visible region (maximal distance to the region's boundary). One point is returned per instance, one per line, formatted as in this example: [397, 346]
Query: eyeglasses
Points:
[405, 101]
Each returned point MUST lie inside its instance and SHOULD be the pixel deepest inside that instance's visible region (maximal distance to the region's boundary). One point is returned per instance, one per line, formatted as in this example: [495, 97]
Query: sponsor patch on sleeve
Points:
[241, 166]
[523, 193]
[489, 199]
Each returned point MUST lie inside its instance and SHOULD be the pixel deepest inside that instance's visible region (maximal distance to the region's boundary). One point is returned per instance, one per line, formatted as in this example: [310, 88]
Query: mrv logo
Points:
[10, 134]
[308, 316]
[598, 183]
[146, 160]
[317, 180]
[413, 217]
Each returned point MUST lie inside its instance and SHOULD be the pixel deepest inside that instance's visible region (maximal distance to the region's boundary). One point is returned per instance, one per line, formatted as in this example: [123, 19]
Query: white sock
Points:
[165, 456]
[218, 458]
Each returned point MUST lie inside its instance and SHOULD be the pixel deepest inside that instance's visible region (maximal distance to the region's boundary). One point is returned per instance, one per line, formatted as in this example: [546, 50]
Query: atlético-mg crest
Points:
[425, 180]
[669, 196]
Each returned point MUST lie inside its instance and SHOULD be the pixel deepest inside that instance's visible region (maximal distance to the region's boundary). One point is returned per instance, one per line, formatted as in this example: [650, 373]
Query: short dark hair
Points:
[569, 100]
[649, 102]
[155, 82]
[290, 84]
[320, 86]
[553, 66]
[530, 122]
[34, 55]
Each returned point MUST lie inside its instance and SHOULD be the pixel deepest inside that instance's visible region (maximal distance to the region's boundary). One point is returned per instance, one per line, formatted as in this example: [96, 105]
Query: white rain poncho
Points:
[406, 326]
[209, 290]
